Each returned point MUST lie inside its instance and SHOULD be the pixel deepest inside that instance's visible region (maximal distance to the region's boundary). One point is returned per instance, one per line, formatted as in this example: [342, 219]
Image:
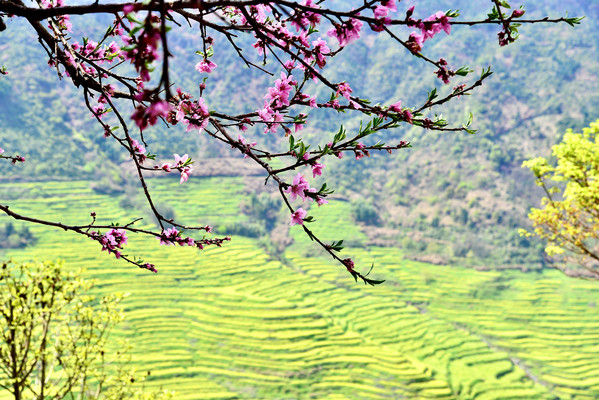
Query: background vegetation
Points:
[238, 322]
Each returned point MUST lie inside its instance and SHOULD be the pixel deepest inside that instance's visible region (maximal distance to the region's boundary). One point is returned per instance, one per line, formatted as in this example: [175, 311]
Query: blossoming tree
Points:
[295, 40]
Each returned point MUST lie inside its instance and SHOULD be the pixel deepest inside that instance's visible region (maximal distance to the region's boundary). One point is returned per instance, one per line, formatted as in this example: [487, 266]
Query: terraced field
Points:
[233, 322]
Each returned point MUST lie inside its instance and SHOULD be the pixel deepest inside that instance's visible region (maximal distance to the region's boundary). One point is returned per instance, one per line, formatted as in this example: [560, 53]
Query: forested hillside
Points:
[449, 198]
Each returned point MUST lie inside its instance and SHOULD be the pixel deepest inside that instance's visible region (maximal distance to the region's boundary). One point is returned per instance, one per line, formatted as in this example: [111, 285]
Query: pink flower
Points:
[304, 19]
[118, 31]
[111, 241]
[138, 148]
[390, 4]
[265, 113]
[380, 24]
[1, 150]
[116, 237]
[361, 151]
[258, 12]
[289, 65]
[169, 236]
[179, 161]
[381, 11]
[349, 264]
[395, 107]
[149, 267]
[180, 164]
[278, 95]
[344, 90]
[415, 42]
[260, 47]
[98, 110]
[298, 188]
[144, 116]
[317, 169]
[129, 8]
[205, 66]
[194, 114]
[320, 50]
[517, 13]
[405, 114]
[185, 172]
[247, 146]
[434, 24]
[346, 32]
[158, 109]
[297, 218]
[443, 72]
[114, 48]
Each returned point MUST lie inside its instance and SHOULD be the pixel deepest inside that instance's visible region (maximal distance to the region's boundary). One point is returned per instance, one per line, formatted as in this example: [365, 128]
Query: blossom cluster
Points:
[172, 236]
[142, 50]
[301, 188]
[112, 241]
[277, 97]
[182, 164]
[145, 116]
[138, 151]
[429, 27]
[194, 114]
[63, 21]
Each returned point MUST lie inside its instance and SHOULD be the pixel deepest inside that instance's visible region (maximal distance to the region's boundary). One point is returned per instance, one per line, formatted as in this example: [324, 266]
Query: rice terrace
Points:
[235, 323]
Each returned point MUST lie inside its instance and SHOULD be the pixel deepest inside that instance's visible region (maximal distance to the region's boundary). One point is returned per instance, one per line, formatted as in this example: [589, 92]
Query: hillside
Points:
[234, 323]
[449, 199]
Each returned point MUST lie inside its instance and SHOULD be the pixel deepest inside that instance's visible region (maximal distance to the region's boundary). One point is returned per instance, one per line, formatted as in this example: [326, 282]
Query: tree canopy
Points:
[125, 74]
[54, 337]
[569, 218]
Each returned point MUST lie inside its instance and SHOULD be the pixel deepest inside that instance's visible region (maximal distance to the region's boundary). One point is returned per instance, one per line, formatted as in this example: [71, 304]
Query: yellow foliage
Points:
[570, 224]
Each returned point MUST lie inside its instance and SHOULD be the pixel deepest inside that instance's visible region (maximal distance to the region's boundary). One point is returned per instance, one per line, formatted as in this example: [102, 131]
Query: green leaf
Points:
[463, 71]
[432, 95]
[372, 282]
[337, 246]
[573, 21]
[486, 73]
[452, 14]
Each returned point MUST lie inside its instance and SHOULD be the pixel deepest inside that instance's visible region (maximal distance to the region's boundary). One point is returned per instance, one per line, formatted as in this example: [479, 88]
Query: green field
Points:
[234, 322]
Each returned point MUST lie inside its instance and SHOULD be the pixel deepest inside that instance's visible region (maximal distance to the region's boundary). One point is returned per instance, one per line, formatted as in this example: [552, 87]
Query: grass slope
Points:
[232, 322]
